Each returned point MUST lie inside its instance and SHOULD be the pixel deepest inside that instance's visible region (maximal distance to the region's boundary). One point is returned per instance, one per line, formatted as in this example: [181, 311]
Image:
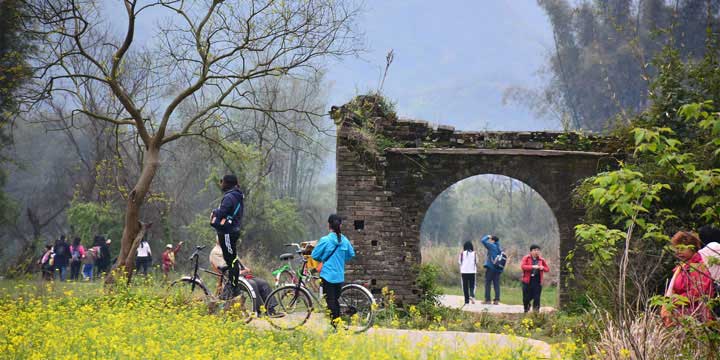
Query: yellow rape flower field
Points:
[81, 321]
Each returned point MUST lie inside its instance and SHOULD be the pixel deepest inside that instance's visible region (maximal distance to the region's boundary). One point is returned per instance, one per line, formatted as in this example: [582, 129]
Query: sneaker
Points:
[496, 302]
[486, 302]
[472, 300]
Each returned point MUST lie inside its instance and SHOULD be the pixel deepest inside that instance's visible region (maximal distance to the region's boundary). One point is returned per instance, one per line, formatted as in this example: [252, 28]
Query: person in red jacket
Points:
[533, 267]
[691, 286]
[168, 257]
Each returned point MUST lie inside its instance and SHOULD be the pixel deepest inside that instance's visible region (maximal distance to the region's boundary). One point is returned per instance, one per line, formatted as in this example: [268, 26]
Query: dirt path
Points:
[447, 340]
[455, 301]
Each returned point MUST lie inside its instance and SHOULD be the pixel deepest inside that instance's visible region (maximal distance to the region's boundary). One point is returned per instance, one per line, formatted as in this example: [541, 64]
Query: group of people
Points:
[60, 256]
[143, 257]
[693, 288]
[533, 266]
[333, 250]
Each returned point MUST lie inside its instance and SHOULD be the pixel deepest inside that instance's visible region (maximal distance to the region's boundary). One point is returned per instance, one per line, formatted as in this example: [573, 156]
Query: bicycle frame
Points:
[195, 257]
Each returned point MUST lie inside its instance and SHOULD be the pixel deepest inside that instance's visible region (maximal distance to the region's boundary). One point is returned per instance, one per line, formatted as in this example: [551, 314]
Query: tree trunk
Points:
[133, 227]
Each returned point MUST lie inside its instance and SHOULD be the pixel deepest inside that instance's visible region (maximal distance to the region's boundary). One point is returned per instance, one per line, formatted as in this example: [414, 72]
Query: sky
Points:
[452, 61]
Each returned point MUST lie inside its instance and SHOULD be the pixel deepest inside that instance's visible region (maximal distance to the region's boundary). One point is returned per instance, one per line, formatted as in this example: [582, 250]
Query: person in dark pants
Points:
[468, 267]
[333, 250]
[143, 259]
[77, 254]
[533, 267]
[492, 272]
[226, 220]
[62, 257]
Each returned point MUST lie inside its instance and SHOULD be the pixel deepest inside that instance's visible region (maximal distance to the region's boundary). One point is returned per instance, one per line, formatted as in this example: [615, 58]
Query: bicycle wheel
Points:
[240, 307]
[356, 308]
[286, 277]
[188, 291]
[288, 307]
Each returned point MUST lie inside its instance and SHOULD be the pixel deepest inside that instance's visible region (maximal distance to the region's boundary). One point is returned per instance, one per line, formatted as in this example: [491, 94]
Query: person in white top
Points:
[144, 257]
[710, 254]
[468, 267]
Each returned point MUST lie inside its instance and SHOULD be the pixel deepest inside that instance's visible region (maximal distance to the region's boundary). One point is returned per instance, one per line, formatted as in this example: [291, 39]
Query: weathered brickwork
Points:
[383, 194]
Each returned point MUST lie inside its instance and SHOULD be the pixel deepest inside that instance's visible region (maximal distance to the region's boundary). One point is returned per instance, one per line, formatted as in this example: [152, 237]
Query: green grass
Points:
[511, 295]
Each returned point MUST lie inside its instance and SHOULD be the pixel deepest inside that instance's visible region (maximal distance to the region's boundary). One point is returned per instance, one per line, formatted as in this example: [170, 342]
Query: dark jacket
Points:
[231, 199]
[62, 253]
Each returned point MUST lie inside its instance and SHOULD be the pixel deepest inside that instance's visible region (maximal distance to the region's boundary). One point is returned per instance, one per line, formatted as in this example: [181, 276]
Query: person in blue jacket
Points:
[333, 250]
[492, 272]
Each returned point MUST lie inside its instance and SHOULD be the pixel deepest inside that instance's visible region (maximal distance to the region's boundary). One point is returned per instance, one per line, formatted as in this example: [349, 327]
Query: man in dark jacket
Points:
[226, 220]
[62, 257]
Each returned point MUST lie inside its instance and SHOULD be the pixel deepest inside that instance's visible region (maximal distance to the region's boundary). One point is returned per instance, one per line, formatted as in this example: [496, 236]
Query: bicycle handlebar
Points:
[196, 252]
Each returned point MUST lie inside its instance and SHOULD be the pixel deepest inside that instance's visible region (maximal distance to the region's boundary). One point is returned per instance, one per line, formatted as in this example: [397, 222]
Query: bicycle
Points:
[295, 302]
[193, 289]
[287, 274]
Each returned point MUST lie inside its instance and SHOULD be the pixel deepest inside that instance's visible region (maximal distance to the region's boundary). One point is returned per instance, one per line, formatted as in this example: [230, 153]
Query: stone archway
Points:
[389, 171]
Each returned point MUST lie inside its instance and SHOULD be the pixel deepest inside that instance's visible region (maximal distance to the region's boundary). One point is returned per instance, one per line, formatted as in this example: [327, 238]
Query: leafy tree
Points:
[200, 74]
[601, 66]
[88, 219]
[669, 181]
[14, 48]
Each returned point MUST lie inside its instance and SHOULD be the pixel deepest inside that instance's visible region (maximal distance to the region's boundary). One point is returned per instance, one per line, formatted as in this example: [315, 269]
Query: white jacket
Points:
[712, 251]
[468, 262]
[144, 249]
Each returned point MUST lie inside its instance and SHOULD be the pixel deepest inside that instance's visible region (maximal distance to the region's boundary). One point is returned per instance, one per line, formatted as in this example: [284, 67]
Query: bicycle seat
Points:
[287, 256]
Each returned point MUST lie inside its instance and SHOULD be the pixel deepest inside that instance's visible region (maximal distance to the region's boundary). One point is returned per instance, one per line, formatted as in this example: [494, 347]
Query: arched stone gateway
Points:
[389, 171]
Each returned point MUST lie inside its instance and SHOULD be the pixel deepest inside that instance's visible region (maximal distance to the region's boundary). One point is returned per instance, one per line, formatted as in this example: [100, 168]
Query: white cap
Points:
[169, 246]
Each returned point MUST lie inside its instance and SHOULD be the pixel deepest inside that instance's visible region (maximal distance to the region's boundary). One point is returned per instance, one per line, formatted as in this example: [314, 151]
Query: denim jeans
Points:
[87, 271]
[492, 277]
[61, 272]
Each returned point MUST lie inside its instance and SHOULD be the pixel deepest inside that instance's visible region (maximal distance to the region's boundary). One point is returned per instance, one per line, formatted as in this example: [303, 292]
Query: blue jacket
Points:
[493, 251]
[333, 269]
[231, 199]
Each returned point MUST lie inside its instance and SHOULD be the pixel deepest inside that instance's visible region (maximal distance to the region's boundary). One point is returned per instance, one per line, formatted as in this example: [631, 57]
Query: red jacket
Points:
[526, 266]
[693, 281]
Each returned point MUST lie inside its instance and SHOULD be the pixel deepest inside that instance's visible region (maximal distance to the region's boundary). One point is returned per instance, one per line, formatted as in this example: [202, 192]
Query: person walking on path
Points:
[468, 268]
[46, 265]
[77, 254]
[168, 257]
[492, 270]
[102, 263]
[62, 257]
[533, 267]
[88, 262]
[333, 250]
[226, 220]
[144, 257]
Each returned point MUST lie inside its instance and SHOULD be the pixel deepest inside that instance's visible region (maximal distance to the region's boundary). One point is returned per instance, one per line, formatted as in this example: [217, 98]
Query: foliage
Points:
[88, 219]
[430, 292]
[268, 222]
[14, 70]
[34, 319]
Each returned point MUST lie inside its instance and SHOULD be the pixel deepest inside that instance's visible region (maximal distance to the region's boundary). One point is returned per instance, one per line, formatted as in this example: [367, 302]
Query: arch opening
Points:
[491, 204]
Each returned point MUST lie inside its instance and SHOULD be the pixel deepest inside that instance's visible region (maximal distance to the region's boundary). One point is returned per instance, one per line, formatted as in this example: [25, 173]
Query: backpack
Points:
[75, 254]
[500, 260]
[60, 250]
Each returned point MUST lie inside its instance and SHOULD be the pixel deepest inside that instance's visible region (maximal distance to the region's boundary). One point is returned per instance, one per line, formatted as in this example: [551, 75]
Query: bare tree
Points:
[196, 75]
